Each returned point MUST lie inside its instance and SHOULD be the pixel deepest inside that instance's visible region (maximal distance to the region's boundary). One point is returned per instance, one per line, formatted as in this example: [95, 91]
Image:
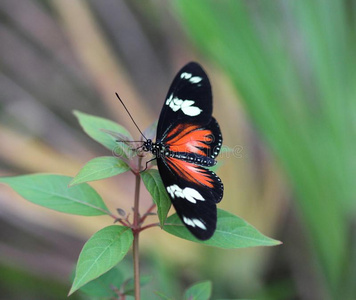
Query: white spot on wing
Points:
[188, 221]
[191, 111]
[187, 193]
[199, 224]
[195, 79]
[185, 75]
[171, 189]
[194, 223]
[192, 195]
[185, 105]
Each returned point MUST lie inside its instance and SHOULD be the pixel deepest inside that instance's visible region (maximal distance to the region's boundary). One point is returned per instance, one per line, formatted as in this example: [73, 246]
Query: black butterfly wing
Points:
[188, 99]
[193, 137]
[194, 202]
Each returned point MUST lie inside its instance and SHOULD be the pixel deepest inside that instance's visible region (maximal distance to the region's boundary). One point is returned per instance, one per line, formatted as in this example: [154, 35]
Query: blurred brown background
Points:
[61, 55]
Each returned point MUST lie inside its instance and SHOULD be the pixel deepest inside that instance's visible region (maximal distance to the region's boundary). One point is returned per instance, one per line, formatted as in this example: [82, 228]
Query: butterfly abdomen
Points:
[194, 158]
[160, 150]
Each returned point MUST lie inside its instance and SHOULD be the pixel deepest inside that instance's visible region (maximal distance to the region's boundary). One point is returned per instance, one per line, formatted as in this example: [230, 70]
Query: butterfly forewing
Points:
[188, 99]
[202, 140]
[189, 139]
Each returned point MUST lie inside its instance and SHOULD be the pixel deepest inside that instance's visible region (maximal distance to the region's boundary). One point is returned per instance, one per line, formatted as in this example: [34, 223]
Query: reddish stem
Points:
[136, 232]
[149, 226]
[147, 213]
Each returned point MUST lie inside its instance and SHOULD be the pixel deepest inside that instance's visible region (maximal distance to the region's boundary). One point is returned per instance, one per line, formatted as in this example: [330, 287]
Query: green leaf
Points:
[231, 232]
[100, 253]
[129, 287]
[94, 127]
[100, 168]
[52, 191]
[154, 185]
[124, 146]
[102, 286]
[199, 291]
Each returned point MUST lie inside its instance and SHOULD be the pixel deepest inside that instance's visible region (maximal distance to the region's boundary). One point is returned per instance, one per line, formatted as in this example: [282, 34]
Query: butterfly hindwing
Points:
[193, 202]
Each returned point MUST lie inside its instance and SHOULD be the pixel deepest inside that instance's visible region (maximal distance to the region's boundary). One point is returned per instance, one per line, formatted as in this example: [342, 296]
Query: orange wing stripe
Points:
[190, 172]
[189, 138]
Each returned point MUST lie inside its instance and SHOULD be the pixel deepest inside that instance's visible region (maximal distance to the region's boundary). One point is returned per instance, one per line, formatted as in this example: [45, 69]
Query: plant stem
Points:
[147, 213]
[149, 226]
[136, 266]
[136, 232]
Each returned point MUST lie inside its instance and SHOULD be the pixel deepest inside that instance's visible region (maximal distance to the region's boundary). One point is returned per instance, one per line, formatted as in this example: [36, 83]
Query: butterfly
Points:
[188, 139]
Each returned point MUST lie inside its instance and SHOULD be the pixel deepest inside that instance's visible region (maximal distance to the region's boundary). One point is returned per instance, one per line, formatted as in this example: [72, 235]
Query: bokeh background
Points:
[284, 82]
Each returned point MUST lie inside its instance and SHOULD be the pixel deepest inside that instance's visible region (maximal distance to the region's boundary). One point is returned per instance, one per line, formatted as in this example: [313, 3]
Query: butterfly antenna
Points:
[117, 95]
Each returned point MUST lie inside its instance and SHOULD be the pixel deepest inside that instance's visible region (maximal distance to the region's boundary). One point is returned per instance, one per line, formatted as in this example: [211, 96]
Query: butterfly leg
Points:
[147, 162]
[140, 147]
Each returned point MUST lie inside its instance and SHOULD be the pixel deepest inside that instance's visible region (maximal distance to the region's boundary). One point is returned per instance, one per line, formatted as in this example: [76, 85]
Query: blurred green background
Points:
[284, 82]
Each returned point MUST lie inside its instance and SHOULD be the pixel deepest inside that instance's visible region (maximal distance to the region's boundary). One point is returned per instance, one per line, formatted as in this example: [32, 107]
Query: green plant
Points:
[96, 272]
[293, 64]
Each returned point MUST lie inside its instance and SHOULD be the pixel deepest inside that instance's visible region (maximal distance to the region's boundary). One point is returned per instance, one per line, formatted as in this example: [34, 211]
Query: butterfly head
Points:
[147, 145]
[156, 149]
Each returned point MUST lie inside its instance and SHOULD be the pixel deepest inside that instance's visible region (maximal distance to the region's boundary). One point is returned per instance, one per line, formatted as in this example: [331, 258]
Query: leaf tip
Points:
[274, 242]
[71, 291]
[76, 112]
[76, 285]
